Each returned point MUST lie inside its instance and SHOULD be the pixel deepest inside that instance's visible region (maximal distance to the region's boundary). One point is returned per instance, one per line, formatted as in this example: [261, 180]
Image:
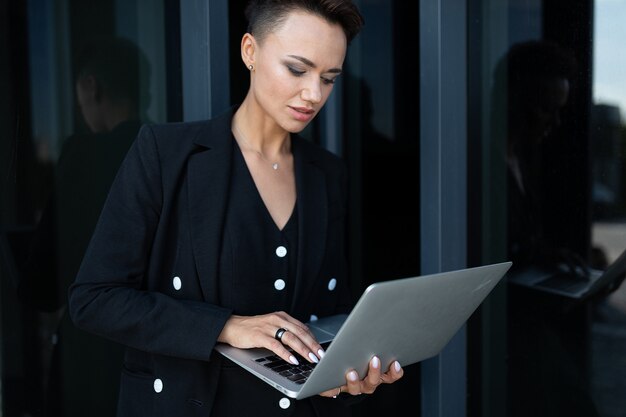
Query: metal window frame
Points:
[443, 186]
[204, 58]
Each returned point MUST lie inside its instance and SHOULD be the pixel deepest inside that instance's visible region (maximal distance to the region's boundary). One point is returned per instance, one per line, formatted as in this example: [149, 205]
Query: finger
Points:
[281, 350]
[306, 337]
[394, 373]
[301, 338]
[298, 336]
[373, 378]
[334, 392]
[297, 344]
[353, 383]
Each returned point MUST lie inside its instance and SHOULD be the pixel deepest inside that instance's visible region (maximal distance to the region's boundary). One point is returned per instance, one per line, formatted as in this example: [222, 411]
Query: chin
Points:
[295, 126]
[296, 131]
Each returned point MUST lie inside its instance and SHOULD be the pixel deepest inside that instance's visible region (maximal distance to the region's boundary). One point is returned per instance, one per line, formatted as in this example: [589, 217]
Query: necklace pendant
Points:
[275, 165]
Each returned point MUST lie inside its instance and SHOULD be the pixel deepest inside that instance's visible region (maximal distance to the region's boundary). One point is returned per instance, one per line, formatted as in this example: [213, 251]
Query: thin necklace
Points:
[273, 164]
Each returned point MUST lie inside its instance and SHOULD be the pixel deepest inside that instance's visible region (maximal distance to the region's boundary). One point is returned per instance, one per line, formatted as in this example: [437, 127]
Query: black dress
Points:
[258, 263]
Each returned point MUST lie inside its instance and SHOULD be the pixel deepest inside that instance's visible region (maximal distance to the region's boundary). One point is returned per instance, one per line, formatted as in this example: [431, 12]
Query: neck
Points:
[259, 132]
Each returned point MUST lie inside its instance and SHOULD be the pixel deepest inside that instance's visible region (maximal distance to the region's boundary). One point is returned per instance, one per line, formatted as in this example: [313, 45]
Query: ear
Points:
[248, 49]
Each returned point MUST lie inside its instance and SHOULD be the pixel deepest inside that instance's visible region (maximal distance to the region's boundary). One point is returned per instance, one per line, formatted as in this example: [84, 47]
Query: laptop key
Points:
[296, 378]
[276, 364]
[282, 368]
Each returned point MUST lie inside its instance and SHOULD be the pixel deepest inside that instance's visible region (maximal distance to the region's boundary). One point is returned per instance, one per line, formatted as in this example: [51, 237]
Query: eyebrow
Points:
[311, 64]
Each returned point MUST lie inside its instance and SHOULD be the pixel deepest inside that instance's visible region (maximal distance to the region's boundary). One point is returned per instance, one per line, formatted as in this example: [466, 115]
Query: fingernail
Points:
[313, 357]
[396, 365]
[321, 353]
[375, 362]
[293, 360]
[353, 376]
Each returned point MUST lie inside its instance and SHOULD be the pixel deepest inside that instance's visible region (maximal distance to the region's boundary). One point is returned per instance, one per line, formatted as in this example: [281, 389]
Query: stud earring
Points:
[250, 67]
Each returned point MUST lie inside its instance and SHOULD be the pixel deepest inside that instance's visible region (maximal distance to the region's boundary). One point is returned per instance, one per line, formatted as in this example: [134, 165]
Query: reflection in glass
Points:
[608, 157]
[380, 143]
[95, 74]
[580, 180]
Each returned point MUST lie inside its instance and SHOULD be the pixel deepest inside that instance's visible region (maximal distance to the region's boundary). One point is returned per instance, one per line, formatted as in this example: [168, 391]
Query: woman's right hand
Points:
[260, 331]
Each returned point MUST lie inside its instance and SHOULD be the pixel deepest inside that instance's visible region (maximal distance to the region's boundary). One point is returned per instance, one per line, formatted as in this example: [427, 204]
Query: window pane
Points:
[79, 81]
[381, 143]
[608, 234]
[550, 122]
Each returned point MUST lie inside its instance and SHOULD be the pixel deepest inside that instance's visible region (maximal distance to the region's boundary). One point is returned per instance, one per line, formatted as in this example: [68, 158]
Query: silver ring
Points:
[279, 333]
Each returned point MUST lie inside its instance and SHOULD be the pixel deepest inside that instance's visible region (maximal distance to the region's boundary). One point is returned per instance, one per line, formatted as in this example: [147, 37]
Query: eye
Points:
[328, 81]
[295, 71]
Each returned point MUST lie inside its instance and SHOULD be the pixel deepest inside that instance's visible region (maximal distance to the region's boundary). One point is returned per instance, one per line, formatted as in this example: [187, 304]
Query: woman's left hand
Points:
[375, 376]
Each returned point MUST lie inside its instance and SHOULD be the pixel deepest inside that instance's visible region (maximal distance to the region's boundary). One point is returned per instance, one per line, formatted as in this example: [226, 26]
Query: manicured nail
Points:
[353, 376]
[375, 362]
[321, 353]
[313, 357]
[396, 365]
[293, 360]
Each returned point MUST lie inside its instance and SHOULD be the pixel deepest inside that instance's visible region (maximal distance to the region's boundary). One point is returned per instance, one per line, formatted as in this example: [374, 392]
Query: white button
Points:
[279, 284]
[177, 283]
[284, 403]
[158, 385]
[332, 284]
[281, 251]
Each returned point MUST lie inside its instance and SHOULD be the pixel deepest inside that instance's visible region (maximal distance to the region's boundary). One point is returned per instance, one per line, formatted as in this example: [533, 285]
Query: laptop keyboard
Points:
[296, 373]
[564, 282]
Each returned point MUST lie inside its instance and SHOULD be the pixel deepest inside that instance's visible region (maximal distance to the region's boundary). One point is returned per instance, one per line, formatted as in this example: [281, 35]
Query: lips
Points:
[302, 114]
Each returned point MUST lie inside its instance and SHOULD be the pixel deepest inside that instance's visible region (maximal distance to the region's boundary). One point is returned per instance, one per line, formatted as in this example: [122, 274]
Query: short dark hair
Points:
[119, 66]
[520, 73]
[264, 16]
[526, 63]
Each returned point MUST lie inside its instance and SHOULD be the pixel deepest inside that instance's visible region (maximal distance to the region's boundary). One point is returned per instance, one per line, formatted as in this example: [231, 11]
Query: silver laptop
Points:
[408, 319]
[579, 286]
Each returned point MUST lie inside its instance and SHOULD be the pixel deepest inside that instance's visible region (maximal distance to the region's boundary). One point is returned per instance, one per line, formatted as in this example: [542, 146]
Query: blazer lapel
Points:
[312, 220]
[209, 181]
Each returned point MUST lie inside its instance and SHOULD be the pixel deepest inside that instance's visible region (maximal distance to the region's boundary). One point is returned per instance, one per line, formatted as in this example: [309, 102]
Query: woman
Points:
[229, 230]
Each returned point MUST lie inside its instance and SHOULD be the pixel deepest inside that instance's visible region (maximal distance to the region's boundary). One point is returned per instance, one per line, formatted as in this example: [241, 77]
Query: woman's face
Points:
[295, 67]
[546, 114]
[89, 107]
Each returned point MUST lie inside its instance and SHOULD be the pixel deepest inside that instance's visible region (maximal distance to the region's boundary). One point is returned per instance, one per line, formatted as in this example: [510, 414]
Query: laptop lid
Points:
[408, 319]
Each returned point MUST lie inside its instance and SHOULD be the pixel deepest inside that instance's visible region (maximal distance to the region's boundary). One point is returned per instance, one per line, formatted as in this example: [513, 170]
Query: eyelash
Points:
[298, 73]
[295, 71]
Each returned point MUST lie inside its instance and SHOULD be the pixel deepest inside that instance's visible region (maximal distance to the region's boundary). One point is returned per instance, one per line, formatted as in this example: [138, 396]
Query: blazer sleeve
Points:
[112, 294]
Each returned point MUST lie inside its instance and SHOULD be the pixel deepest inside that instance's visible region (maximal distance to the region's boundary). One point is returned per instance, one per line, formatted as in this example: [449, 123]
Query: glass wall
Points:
[608, 197]
[77, 81]
[546, 135]
[381, 124]
[545, 180]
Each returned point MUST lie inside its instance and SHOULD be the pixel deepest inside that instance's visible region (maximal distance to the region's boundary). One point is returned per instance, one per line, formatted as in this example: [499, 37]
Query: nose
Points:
[312, 92]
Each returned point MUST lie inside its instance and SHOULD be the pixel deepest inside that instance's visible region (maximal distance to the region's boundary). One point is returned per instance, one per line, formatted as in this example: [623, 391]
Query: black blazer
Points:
[163, 220]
